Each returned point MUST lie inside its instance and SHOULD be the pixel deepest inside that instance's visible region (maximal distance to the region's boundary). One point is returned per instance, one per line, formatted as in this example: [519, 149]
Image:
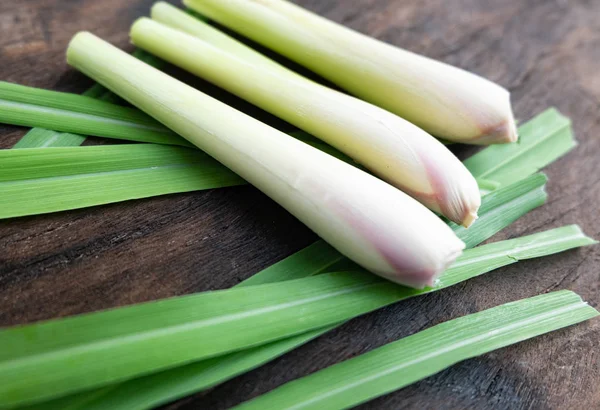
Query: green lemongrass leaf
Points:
[35, 164]
[542, 140]
[37, 181]
[165, 386]
[50, 359]
[162, 387]
[41, 138]
[314, 259]
[28, 106]
[40, 180]
[67, 181]
[413, 358]
[497, 212]
[159, 388]
[53, 358]
[96, 91]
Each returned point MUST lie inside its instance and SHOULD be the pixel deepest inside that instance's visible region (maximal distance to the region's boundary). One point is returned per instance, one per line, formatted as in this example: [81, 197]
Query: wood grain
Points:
[545, 51]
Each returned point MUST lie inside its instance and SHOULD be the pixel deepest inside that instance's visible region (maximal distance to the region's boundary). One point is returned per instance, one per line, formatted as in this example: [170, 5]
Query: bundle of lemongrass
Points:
[377, 222]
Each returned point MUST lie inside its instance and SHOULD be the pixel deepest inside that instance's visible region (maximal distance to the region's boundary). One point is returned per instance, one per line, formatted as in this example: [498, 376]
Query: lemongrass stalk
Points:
[371, 222]
[172, 16]
[392, 148]
[446, 101]
[29, 106]
[413, 358]
[56, 357]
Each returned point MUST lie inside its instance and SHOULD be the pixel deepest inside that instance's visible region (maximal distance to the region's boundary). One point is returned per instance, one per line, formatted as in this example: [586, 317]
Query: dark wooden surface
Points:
[546, 52]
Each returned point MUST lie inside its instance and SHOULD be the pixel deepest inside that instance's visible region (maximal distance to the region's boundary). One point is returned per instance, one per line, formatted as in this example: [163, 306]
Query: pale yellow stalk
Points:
[392, 148]
[444, 100]
[366, 219]
[172, 16]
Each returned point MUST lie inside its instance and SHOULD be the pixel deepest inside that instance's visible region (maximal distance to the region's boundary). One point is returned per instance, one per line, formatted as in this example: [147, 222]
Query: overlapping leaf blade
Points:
[43, 138]
[316, 258]
[165, 386]
[108, 185]
[35, 181]
[71, 113]
[423, 354]
[54, 358]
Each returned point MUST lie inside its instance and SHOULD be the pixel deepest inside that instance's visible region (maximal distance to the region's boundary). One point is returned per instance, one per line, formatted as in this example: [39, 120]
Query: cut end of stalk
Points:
[469, 218]
[77, 38]
[140, 21]
[157, 7]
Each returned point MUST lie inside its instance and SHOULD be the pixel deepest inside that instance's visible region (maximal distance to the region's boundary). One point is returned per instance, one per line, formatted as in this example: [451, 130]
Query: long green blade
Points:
[39, 180]
[28, 106]
[54, 358]
[162, 387]
[319, 257]
[423, 354]
[542, 140]
[42, 138]
[36, 181]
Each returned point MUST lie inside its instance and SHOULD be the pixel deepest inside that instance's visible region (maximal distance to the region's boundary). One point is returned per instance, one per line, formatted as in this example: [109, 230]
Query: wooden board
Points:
[546, 52]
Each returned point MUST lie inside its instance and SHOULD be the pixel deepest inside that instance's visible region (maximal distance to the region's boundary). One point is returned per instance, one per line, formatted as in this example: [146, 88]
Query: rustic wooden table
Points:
[545, 52]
